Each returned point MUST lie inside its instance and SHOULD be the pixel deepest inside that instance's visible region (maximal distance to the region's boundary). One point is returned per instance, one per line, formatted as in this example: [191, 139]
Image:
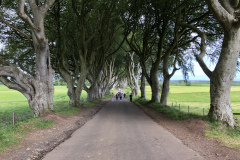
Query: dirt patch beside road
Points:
[40, 141]
[191, 133]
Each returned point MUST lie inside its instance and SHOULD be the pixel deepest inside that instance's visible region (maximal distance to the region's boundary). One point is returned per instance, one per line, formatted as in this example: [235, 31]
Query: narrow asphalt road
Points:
[121, 131]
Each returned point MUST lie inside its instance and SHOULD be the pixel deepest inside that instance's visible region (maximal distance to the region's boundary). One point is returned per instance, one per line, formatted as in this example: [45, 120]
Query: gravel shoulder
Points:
[191, 133]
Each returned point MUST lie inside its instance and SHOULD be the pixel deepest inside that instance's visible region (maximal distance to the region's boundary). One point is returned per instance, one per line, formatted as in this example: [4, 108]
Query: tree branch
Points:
[47, 5]
[10, 84]
[16, 29]
[203, 66]
[203, 44]
[221, 14]
[18, 78]
[24, 16]
[226, 5]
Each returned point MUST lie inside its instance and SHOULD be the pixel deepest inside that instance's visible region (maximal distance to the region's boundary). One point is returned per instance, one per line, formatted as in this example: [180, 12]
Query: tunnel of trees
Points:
[117, 41]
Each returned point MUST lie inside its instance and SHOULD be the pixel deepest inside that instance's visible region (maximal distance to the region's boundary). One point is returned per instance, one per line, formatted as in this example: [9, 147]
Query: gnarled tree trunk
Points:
[70, 85]
[42, 100]
[165, 90]
[142, 88]
[155, 87]
[133, 75]
[39, 94]
[222, 77]
[39, 90]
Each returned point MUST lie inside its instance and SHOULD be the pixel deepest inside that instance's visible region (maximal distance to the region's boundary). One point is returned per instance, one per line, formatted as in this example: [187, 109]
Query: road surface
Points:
[121, 131]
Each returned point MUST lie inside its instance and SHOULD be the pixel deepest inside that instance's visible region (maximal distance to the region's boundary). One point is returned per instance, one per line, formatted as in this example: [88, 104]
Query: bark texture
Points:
[166, 75]
[155, 87]
[37, 92]
[38, 89]
[143, 87]
[134, 71]
[221, 78]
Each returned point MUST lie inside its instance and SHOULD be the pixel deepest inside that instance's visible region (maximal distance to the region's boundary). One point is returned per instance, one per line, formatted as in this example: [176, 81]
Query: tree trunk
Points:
[142, 88]
[38, 93]
[71, 94]
[222, 77]
[39, 90]
[41, 102]
[44, 73]
[165, 90]
[135, 90]
[70, 84]
[92, 92]
[80, 84]
[155, 87]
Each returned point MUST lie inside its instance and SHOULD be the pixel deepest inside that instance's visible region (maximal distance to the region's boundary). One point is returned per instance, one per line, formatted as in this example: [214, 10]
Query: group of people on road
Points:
[120, 95]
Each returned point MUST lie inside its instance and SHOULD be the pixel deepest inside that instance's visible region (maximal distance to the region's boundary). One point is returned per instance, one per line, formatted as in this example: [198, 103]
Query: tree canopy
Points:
[108, 42]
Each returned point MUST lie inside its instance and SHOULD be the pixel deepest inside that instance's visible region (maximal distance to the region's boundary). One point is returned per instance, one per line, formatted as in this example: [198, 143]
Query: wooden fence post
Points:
[203, 111]
[188, 109]
[179, 107]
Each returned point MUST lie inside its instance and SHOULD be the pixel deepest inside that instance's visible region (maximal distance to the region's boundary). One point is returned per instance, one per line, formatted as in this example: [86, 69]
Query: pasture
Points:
[196, 97]
[13, 101]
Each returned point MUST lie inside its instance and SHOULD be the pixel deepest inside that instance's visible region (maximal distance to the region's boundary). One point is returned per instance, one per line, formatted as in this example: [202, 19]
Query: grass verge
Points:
[225, 135]
[11, 135]
[168, 111]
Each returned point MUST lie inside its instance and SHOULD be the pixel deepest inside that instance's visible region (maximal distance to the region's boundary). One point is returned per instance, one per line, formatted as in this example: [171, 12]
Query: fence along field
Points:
[13, 101]
[196, 97]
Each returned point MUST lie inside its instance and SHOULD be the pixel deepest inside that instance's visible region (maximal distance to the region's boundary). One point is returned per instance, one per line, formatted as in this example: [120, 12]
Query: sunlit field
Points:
[196, 97]
[13, 101]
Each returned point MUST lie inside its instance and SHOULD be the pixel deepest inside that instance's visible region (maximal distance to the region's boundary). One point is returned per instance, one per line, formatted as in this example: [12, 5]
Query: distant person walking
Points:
[112, 97]
[124, 95]
[116, 97]
[131, 97]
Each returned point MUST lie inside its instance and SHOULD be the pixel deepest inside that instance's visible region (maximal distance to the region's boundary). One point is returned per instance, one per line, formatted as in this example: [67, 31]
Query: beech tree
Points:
[133, 74]
[227, 13]
[142, 39]
[143, 87]
[179, 38]
[79, 42]
[36, 87]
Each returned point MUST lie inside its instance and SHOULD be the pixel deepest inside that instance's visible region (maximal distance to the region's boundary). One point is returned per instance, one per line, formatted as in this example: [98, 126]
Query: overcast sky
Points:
[199, 74]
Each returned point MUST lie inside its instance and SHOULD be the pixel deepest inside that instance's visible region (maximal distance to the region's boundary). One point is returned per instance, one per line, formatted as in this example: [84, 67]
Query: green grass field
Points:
[13, 101]
[196, 97]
